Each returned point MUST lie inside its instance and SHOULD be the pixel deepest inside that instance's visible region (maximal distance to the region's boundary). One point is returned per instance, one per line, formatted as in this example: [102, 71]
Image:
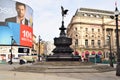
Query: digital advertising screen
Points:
[16, 23]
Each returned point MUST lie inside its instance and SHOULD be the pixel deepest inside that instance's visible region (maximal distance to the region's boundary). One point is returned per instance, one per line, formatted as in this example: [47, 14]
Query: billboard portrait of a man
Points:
[18, 22]
[20, 18]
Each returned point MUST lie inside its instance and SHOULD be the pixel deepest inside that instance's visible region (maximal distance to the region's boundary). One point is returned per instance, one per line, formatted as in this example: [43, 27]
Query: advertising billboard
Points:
[16, 20]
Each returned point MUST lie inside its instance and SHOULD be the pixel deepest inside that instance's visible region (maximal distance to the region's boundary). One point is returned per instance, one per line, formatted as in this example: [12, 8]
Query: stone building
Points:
[90, 30]
[34, 45]
[49, 46]
[40, 47]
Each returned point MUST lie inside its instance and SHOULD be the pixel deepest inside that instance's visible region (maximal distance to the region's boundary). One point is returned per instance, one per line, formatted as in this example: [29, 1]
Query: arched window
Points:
[86, 43]
[92, 43]
[76, 42]
[99, 43]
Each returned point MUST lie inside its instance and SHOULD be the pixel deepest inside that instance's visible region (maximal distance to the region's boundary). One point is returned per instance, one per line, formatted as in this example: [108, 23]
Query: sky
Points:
[47, 14]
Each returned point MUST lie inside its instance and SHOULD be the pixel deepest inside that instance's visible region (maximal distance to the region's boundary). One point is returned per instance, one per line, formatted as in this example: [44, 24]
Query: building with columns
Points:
[93, 32]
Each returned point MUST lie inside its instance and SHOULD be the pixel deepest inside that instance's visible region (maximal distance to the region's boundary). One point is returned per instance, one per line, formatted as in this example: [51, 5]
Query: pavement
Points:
[7, 74]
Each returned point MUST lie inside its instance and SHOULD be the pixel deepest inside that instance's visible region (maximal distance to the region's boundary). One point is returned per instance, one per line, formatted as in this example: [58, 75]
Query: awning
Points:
[86, 52]
[76, 53]
[99, 53]
[93, 52]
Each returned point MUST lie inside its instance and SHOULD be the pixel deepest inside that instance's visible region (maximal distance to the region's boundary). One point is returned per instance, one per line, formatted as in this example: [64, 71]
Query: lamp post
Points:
[110, 55]
[11, 50]
[39, 48]
[117, 43]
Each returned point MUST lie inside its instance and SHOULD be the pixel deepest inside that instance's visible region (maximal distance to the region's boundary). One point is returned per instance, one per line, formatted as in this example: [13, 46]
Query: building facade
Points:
[93, 32]
[34, 45]
[49, 46]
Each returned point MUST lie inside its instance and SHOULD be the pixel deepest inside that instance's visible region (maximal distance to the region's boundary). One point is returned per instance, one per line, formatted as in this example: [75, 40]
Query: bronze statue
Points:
[64, 12]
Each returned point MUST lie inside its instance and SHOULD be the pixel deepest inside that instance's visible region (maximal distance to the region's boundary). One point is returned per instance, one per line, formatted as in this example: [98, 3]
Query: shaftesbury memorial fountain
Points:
[63, 52]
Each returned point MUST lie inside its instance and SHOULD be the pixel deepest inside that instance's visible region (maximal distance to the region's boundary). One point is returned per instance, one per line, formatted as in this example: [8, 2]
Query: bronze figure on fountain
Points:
[63, 51]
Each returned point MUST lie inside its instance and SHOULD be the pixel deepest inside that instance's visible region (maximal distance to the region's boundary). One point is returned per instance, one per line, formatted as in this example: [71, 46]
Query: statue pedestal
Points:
[63, 57]
[63, 51]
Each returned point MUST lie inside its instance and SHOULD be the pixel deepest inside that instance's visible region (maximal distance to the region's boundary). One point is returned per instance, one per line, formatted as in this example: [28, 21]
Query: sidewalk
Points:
[5, 74]
[10, 75]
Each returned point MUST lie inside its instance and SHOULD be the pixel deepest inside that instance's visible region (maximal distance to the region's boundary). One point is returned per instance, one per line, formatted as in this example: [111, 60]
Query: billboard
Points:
[16, 20]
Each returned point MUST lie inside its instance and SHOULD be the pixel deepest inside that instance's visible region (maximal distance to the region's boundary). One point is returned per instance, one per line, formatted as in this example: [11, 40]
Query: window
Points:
[92, 30]
[92, 43]
[91, 15]
[86, 43]
[76, 35]
[98, 30]
[85, 14]
[92, 35]
[99, 43]
[86, 29]
[76, 42]
[75, 29]
[107, 54]
[97, 16]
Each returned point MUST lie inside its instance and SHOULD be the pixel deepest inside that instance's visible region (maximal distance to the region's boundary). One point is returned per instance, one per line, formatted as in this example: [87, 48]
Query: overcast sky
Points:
[47, 13]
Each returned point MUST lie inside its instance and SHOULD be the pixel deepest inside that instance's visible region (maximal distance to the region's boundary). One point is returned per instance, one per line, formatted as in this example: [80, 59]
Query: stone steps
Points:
[57, 69]
[64, 67]
[73, 70]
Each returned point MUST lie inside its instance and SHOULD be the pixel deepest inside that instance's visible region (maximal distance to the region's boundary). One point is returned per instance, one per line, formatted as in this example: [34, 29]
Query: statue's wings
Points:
[64, 12]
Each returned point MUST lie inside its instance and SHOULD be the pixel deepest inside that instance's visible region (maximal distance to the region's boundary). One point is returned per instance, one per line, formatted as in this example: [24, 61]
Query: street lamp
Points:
[11, 50]
[117, 43]
[110, 55]
[39, 48]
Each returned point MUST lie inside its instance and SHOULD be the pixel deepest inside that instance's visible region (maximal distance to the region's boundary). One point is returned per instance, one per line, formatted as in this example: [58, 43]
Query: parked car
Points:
[28, 59]
[22, 61]
[15, 59]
